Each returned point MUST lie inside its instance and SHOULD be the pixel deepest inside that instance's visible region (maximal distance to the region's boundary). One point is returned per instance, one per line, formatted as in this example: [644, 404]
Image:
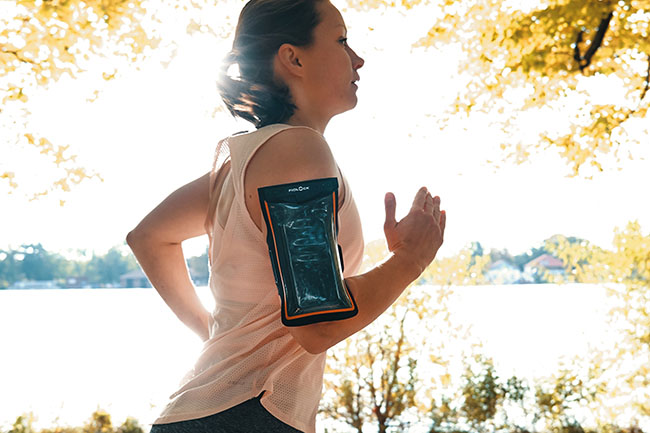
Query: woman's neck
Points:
[301, 119]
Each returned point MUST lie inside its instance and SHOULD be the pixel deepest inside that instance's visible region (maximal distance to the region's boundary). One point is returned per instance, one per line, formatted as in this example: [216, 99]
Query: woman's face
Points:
[330, 66]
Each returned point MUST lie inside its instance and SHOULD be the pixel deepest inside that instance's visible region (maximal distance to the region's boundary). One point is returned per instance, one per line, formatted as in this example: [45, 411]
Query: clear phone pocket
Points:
[302, 225]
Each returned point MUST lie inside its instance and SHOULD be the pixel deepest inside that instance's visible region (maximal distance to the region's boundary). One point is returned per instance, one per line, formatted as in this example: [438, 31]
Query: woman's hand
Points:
[417, 237]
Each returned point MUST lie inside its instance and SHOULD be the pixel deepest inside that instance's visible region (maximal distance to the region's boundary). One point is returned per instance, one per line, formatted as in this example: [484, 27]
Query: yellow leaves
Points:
[9, 177]
[15, 94]
[66, 172]
[42, 40]
[538, 47]
[106, 76]
[376, 4]
[55, 152]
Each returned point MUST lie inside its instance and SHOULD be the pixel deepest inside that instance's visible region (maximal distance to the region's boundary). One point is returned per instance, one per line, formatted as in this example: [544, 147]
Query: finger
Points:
[428, 203]
[436, 208]
[443, 222]
[389, 203]
[420, 198]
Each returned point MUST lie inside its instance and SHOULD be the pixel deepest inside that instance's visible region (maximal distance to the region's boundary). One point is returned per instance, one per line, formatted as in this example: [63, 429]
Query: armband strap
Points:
[302, 228]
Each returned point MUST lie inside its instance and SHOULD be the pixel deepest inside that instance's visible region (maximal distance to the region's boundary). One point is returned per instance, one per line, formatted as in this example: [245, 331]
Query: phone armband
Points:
[302, 225]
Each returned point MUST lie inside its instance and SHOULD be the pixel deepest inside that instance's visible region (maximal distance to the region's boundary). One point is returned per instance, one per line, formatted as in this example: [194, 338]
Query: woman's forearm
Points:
[374, 292]
[164, 265]
[414, 242]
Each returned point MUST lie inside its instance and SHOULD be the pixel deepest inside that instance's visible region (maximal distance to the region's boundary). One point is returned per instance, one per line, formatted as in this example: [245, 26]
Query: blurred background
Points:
[528, 118]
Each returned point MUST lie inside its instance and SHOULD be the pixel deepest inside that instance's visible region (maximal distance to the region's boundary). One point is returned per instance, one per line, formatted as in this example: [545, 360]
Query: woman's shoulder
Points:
[291, 155]
[292, 152]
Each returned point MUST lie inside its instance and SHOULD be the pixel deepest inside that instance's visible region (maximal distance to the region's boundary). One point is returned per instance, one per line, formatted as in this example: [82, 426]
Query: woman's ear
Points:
[288, 59]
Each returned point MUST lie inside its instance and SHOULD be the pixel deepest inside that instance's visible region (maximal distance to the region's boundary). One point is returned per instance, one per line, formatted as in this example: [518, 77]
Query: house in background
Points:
[33, 285]
[503, 272]
[76, 283]
[540, 268]
[134, 279]
[137, 279]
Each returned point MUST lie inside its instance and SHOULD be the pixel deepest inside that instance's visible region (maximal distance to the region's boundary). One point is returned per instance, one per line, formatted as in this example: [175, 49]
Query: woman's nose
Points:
[357, 61]
[360, 62]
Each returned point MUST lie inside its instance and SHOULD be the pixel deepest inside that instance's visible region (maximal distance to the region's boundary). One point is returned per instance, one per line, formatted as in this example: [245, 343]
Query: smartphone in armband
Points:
[302, 229]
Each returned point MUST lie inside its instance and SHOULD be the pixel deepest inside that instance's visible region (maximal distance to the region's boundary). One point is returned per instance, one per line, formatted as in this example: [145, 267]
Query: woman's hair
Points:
[264, 25]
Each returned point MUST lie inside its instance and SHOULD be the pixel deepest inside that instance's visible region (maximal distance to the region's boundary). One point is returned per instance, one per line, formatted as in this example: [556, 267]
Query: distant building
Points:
[137, 279]
[503, 272]
[540, 267]
[33, 285]
[76, 283]
[134, 279]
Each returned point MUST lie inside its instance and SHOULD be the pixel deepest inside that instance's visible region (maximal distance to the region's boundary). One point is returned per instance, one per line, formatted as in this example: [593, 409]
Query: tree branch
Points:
[596, 42]
[647, 82]
[18, 56]
[393, 380]
[576, 49]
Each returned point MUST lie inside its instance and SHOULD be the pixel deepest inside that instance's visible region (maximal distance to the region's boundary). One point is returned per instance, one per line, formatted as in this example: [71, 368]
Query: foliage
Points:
[42, 41]
[554, 56]
[372, 377]
[584, 66]
[482, 397]
[32, 262]
[29, 262]
[547, 57]
[99, 422]
[108, 268]
[621, 372]
[399, 370]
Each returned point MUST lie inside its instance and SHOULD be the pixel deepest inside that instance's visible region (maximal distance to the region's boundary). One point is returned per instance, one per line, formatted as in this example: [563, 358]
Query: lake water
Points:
[65, 353]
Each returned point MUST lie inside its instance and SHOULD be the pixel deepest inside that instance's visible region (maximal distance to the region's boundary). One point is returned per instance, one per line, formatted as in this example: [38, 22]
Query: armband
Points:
[302, 228]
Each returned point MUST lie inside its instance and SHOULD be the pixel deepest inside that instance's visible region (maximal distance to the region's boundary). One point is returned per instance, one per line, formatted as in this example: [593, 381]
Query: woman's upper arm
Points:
[178, 217]
[291, 155]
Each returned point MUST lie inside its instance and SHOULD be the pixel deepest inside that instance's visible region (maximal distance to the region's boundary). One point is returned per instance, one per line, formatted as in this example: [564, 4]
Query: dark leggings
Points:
[247, 417]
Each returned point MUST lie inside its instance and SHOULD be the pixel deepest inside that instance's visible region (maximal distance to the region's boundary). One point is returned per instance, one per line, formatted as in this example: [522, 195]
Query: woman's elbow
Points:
[311, 338]
[134, 238]
[314, 348]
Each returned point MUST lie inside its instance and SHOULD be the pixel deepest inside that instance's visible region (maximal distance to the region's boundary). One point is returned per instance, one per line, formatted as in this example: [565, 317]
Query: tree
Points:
[374, 377]
[558, 398]
[42, 41]
[620, 373]
[515, 62]
[552, 59]
[482, 394]
[23, 424]
[100, 422]
[108, 268]
[371, 377]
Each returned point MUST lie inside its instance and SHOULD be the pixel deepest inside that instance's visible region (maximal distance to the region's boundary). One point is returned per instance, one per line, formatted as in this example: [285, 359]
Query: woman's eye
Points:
[344, 41]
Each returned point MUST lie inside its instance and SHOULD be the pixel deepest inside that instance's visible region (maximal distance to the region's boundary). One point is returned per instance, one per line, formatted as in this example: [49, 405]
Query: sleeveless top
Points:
[249, 350]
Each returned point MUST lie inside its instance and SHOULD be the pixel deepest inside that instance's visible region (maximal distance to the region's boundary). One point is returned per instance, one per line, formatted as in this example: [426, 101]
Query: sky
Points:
[152, 130]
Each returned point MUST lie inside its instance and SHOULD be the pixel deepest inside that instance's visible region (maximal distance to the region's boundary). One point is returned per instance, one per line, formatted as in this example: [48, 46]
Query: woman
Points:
[296, 71]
